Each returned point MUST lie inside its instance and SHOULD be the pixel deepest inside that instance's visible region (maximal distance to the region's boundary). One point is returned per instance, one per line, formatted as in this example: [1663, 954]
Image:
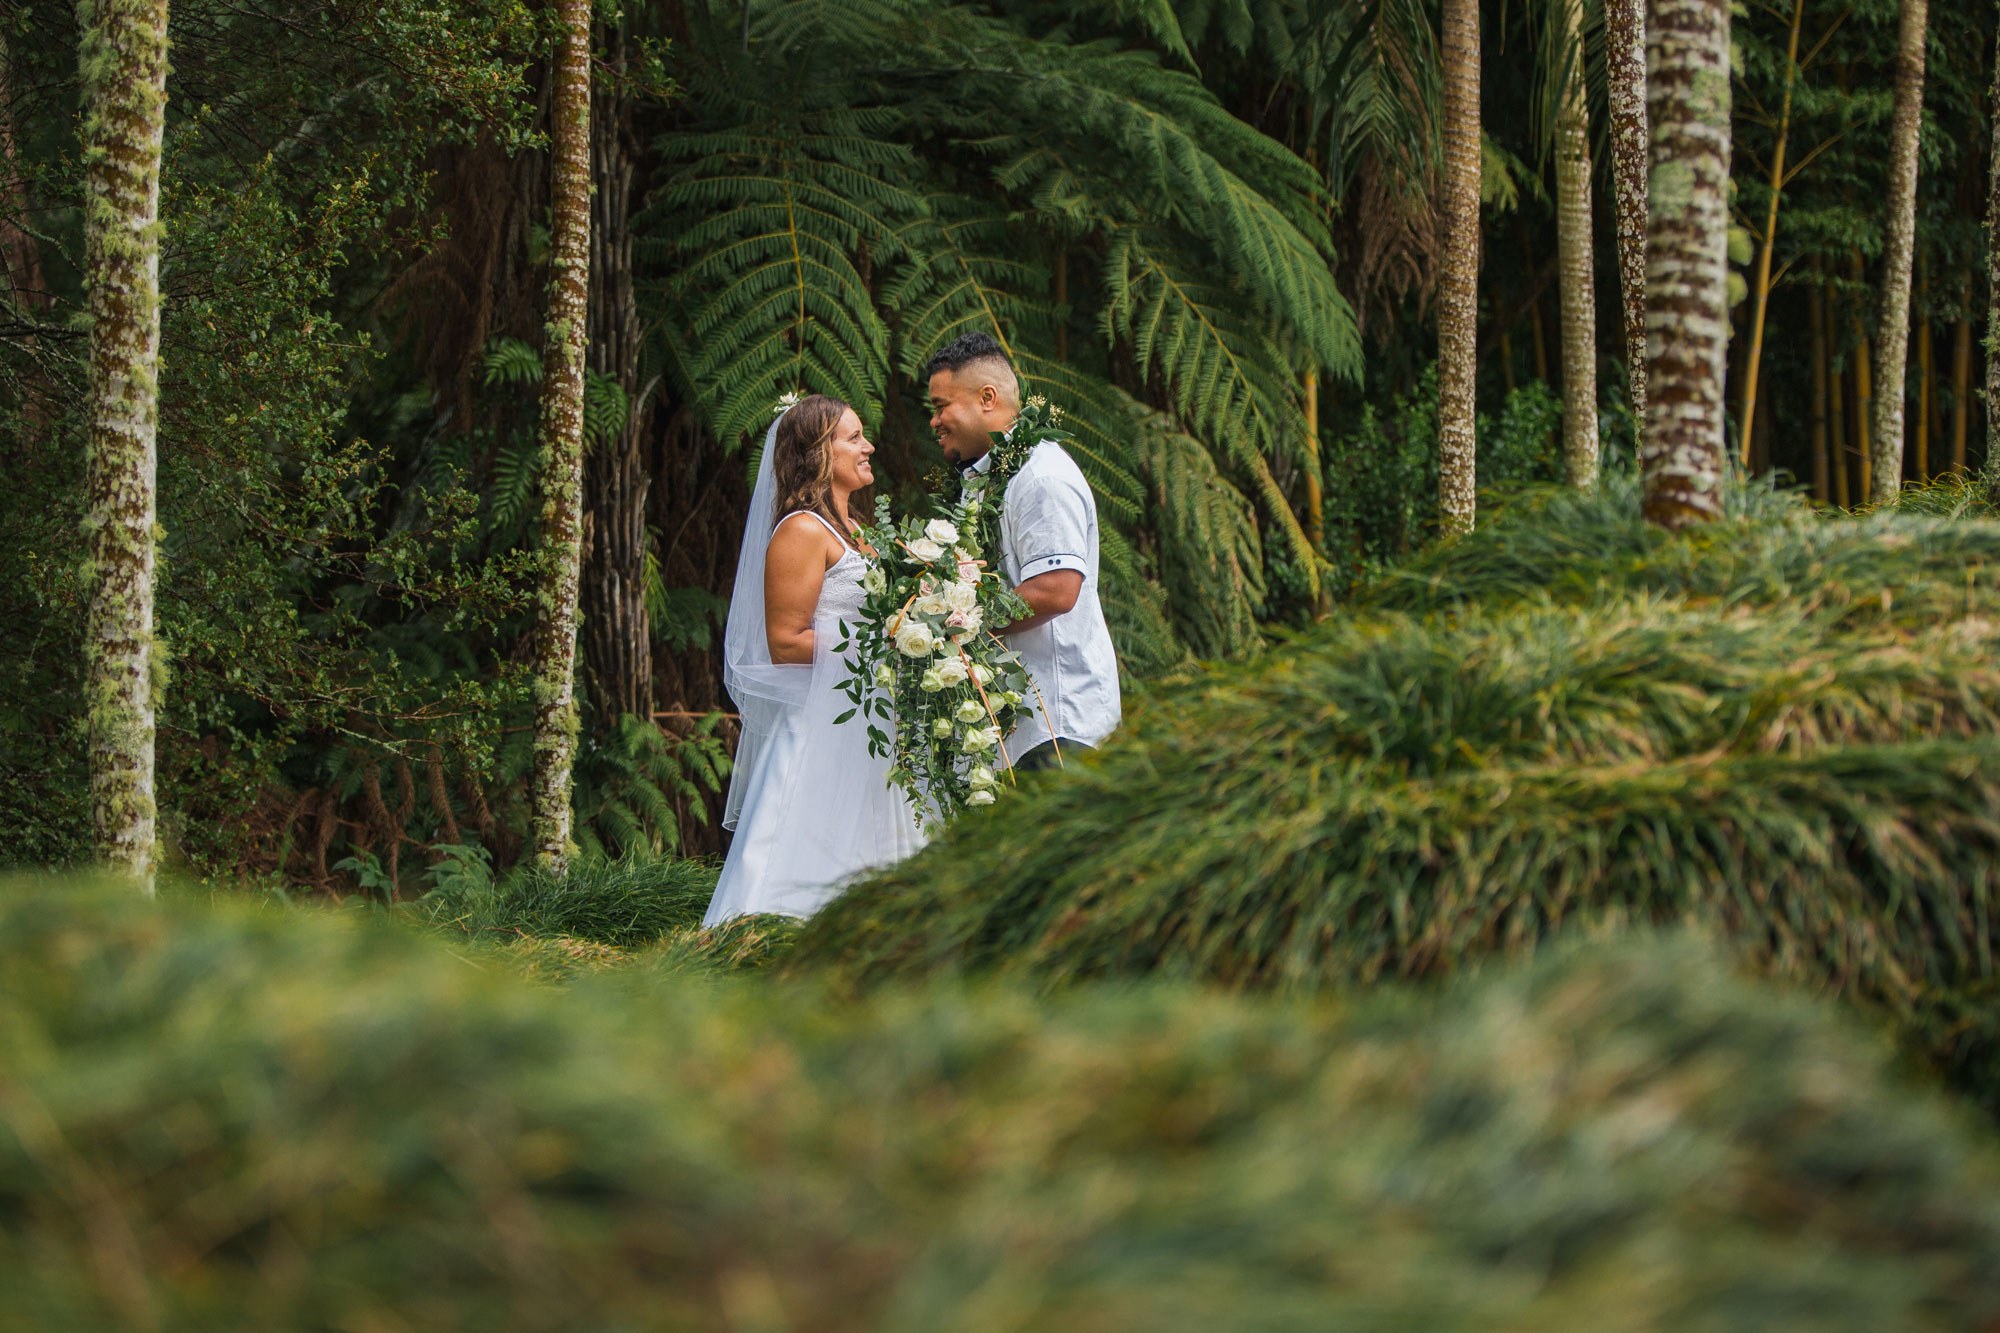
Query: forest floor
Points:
[1573, 933]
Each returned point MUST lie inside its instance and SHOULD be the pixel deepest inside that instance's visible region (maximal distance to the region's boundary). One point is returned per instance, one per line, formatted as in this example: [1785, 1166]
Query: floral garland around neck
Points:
[925, 659]
[1039, 421]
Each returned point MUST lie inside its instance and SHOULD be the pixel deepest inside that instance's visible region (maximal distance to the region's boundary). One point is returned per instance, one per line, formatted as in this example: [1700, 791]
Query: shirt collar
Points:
[979, 467]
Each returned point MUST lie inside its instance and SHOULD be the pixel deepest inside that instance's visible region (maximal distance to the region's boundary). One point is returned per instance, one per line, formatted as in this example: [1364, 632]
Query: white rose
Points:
[885, 676]
[941, 531]
[980, 796]
[930, 682]
[930, 604]
[924, 549]
[874, 580]
[961, 596]
[968, 571]
[951, 671]
[980, 675]
[970, 711]
[980, 738]
[965, 620]
[982, 776]
[941, 728]
[914, 637]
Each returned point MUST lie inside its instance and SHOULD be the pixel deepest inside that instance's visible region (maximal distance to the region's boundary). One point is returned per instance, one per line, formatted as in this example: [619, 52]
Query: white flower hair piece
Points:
[787, 402]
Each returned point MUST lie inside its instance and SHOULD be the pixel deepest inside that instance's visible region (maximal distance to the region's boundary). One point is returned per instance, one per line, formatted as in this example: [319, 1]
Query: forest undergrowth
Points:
[1779, 727]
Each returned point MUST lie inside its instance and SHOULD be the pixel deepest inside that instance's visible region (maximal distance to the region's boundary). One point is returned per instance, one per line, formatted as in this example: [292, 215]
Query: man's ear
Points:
[989, 397]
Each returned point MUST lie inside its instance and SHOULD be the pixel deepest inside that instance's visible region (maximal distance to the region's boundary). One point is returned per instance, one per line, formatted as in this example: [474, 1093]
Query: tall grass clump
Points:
[1778, 726]
[237, 1119]
[625, 902]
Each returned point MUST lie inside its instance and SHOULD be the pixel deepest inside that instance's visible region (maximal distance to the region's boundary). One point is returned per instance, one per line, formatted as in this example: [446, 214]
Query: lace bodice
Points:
[840, 595]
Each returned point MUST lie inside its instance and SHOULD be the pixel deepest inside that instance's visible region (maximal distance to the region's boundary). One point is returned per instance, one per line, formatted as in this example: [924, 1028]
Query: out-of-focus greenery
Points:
[223, 1117]
[1780, 725]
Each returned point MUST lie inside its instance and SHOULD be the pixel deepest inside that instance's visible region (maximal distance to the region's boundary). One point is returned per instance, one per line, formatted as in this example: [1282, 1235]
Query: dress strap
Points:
[844, 541]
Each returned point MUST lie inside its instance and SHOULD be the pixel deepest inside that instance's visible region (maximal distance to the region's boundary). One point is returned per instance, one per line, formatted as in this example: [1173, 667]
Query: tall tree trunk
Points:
[20, 257]
[1993, 267]
[124, 63]
[1768, 242]
[562, 440]
[1864, 387]
[1892, 332]
[1687, 260]
[1926, 383]
[1961, 374]
[1625, 73]
[617, 635]
[1458, 279]
[1836, 402]
[1579, 279]
[1816, 317]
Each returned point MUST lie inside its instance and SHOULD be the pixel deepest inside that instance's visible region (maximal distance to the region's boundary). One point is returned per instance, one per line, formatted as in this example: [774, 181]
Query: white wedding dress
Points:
[812, 809]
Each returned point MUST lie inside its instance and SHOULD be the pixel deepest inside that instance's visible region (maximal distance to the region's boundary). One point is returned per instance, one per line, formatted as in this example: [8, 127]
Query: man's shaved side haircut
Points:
[982, 355]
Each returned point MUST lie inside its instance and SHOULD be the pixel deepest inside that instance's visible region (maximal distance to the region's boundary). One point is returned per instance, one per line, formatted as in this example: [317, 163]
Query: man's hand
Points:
[1048, 596]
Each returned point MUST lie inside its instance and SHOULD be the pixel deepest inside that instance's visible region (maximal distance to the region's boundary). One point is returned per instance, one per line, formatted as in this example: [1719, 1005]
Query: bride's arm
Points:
[794, 568]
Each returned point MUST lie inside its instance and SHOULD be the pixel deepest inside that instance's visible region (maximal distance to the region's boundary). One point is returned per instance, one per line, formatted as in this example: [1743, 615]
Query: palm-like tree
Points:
[1687, 260]
[562, 440]
[1458, 267]
[870, 178]
[1899, 243]
[124, 63]
[1571, 127]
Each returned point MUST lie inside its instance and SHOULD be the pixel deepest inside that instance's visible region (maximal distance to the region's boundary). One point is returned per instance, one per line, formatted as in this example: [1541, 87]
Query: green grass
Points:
[1781, 726]
[216, 1119]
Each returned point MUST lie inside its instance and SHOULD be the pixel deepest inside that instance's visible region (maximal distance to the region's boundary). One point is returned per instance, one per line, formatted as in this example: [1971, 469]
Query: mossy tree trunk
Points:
[1458, 279]
[124, 68]
[1573, 238]
[617, 637]
[1625, 74]
[562, 441]
[1687, 260]
[1892, 332]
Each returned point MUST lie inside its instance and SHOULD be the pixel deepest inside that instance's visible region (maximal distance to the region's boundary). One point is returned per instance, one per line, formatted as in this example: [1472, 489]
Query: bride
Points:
[810, 807]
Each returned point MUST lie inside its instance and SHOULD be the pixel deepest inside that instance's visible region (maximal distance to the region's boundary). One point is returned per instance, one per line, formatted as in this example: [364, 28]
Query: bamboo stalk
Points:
[1762, 288]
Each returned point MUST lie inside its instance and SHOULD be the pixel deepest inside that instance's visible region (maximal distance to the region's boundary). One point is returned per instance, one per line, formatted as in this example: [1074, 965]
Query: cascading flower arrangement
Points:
[940, 687]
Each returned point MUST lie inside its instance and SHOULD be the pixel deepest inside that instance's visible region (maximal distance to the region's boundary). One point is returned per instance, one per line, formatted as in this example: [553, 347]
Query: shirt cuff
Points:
[1049, 563]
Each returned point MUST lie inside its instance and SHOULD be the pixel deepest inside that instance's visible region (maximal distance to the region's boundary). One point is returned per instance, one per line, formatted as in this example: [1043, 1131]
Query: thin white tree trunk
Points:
[123, 57]
[1687, 260]
[1625, 73]
[1458, 280]
[562, 442]
[1578, 272]
[1892, 331]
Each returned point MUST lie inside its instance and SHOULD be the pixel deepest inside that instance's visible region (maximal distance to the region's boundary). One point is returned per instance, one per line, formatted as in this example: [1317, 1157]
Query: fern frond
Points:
[510, 361]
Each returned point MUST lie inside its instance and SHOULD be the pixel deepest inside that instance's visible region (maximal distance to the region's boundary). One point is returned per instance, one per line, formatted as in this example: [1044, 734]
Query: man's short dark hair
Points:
[965, 349]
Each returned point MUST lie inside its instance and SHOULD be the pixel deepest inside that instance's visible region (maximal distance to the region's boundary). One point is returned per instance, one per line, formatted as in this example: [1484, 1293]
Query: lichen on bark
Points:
[1687, 260]
[122, 57]
[1573, 239]
[1892, 343]
[1625, 77]
[1458, 281]
[554, 687]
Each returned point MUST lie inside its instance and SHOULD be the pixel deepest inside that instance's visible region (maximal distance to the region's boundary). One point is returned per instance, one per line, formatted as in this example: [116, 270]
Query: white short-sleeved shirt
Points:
[1048, 521]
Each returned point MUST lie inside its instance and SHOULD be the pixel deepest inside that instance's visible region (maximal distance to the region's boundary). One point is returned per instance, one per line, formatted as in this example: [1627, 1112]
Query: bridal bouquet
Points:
[925, 662]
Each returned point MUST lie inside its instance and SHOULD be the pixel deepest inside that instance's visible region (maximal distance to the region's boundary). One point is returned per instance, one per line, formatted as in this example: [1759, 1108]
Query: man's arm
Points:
[1048, 596]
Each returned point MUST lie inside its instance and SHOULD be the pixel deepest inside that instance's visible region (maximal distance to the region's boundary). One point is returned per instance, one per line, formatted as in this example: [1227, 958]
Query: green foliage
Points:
[1632, 1130]
[1776, 725]
[627, 903]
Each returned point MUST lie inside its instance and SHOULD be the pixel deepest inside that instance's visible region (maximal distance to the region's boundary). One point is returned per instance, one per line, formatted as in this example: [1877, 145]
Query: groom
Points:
[1048, 552]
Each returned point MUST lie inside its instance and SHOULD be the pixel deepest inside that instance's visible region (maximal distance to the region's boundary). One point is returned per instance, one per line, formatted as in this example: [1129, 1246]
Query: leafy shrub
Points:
[261, 1119]
[1780, 725]
[623, 903]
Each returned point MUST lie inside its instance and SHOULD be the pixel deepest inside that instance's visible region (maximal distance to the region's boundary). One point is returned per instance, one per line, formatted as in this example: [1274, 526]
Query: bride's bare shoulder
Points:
[801, 536]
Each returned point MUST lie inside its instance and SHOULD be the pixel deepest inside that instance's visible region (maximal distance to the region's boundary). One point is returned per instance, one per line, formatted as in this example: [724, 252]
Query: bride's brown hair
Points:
[802, 458]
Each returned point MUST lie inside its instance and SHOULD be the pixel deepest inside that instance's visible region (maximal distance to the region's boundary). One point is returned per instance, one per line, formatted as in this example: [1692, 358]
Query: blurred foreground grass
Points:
[217, 1117]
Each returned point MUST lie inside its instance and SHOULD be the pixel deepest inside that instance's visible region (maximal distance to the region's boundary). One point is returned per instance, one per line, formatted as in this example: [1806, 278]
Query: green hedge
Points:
[236, 1119]
[1781, 726]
